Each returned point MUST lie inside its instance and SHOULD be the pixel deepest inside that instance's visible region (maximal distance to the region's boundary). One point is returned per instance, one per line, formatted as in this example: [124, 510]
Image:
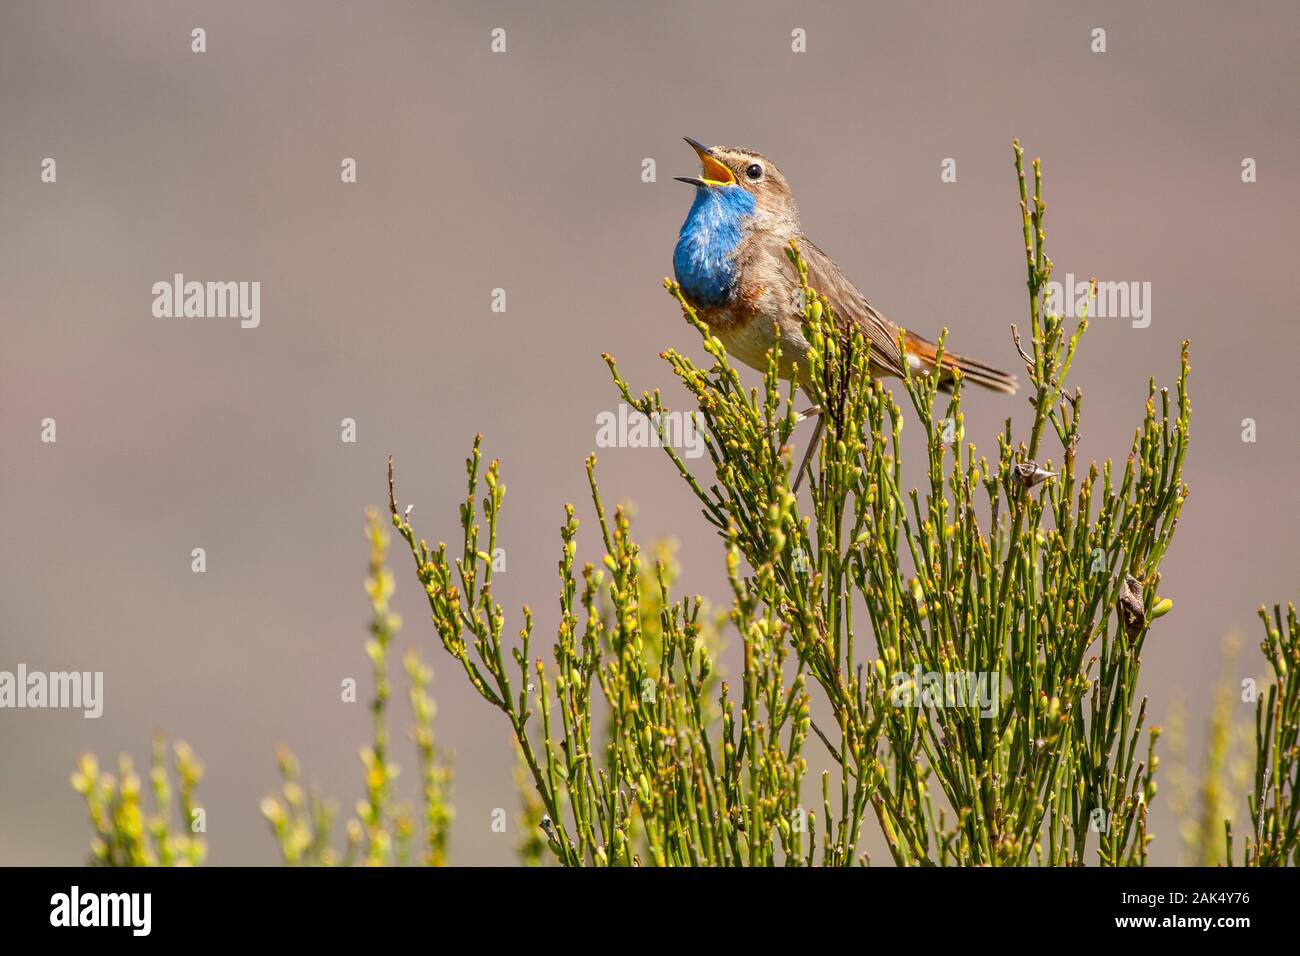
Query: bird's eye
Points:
[754, 172]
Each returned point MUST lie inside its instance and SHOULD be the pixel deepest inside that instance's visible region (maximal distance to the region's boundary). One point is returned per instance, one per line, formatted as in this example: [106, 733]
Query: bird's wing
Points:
[850, 305]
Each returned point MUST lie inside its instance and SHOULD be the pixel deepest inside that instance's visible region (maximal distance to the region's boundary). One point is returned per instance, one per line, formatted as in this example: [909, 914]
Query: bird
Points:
[731, 266]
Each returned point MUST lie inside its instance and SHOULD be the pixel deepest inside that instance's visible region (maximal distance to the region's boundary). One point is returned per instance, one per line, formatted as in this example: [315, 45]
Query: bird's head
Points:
[726, 168]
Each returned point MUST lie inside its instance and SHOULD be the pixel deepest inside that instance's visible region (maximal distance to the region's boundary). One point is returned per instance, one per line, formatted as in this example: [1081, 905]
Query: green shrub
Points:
[1050, 599]
[382, 831]
[1274, 807]
[126, 833]
[1029, 582]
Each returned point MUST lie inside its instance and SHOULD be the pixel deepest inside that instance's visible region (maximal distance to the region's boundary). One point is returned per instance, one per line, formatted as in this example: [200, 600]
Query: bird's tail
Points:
[972, 370]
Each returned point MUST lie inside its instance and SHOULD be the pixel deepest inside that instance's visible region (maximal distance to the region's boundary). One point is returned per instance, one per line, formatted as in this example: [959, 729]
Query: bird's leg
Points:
[808, 413]
[812, 447]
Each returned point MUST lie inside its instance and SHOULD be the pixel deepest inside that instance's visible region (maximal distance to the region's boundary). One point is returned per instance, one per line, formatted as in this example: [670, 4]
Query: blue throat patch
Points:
[704, 261]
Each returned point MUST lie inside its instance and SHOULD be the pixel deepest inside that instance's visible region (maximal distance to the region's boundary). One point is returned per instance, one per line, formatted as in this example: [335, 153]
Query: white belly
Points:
[751, 341]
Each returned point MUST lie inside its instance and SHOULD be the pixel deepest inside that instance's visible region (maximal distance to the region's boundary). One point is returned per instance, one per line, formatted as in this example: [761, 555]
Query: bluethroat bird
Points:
[732, 267]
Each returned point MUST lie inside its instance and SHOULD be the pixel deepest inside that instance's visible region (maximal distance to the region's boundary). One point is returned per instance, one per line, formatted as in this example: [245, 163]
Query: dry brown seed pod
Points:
[1029, 474]
[1130, 604]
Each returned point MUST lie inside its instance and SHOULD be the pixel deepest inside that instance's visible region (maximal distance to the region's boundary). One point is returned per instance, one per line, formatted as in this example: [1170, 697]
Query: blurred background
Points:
[522, 171]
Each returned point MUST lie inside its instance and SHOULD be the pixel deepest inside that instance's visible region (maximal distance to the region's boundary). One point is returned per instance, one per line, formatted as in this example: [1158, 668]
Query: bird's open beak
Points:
[713, 172]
